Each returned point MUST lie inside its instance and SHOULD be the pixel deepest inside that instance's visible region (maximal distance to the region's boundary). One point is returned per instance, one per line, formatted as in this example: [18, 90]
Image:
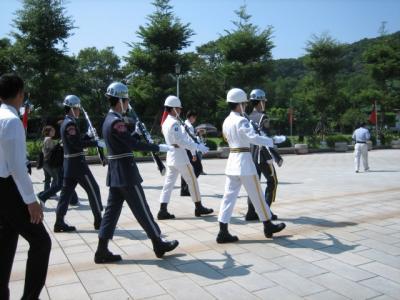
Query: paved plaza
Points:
[342, 239]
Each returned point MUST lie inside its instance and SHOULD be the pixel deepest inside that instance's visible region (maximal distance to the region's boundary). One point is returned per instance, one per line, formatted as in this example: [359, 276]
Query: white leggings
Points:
[253, 188]
[187, 173]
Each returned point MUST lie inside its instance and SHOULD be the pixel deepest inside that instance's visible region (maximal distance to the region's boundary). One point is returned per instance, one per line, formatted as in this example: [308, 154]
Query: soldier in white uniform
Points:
[361, 137]
[178, 161]
[240, 168]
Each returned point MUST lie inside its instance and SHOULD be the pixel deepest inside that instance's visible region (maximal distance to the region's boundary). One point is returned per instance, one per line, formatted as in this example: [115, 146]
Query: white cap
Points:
[173, 101]
[236, 95]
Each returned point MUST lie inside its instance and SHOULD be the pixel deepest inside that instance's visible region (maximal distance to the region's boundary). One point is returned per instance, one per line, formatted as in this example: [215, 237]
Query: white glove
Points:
[137, 130]
[90, 134]
[101, 144]
[279, 139]
[202, 148]
[165, 147]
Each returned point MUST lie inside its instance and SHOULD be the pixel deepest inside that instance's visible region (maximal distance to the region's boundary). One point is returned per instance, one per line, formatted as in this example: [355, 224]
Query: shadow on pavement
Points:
[317, 222]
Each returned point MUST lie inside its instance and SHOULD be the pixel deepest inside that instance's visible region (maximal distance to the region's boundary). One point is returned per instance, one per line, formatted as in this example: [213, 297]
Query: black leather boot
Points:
[271, 228]
[160, 247]
[163, 214]
[224, 236]
[61, 226]
[103, 255]
[201, 210]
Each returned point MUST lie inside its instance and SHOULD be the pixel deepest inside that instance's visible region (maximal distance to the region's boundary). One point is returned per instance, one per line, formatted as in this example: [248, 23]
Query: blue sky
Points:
[104, 23]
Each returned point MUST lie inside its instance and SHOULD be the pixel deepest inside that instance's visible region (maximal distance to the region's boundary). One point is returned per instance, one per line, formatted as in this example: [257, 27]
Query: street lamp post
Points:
[177, 73]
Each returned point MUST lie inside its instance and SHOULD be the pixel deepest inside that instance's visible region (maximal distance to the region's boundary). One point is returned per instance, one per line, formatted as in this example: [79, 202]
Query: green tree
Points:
[6, 54]
[96, 69]
[151, 61]
[42, 29]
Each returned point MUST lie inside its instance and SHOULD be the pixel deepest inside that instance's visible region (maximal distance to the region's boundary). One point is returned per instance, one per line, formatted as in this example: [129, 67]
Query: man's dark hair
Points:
[232, 106]
[362, 124]
[10, 86]
[191, 113]
[113, 101]
[254, 103]
[168, 109]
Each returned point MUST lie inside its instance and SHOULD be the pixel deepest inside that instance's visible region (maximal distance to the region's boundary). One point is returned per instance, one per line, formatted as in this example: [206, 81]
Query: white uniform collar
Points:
[235, 113]
[10, 108]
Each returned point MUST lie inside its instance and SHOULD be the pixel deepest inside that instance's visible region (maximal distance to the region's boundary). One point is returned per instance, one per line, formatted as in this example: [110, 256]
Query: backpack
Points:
[39, 160]
[56, 156]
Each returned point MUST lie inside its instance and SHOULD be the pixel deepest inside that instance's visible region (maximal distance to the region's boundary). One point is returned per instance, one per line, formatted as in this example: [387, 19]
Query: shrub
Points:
[313, 141]
[332, 139]
[223, 143]
[33, 149]
[211, 144]
[286, 143]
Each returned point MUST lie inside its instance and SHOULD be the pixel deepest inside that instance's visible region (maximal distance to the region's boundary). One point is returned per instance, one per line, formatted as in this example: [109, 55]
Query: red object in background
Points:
[163, 117]
[25, 118]
[290, 115]
[373, 117]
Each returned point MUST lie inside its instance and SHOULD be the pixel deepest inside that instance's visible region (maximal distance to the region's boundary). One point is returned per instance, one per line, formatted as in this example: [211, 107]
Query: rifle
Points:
[147, 138]
[191, 135]
[100, 151]
[274, 154]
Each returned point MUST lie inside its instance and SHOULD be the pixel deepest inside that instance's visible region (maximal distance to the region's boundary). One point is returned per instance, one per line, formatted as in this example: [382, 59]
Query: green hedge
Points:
[332, 139]
[211, 144]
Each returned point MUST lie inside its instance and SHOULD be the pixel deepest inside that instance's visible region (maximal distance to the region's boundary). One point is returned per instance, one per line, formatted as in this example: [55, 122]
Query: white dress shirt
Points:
[239, 133]
[13, 152]
[174, 135]
[361, 135]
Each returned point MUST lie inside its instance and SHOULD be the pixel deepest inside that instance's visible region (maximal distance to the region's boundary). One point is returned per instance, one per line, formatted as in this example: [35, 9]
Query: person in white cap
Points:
[240, 168]
[178, 161]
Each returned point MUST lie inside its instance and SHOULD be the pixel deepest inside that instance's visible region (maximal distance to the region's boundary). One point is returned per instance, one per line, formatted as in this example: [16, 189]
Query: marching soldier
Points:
[178, 161]
[193, 156]
[240, 168]
[124, 180]
[76, 169]
[261, 156]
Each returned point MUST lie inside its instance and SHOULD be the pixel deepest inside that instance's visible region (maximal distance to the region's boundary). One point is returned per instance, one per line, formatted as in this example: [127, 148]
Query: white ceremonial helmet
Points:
[72, 101]
[173, 101]
[117, 90]
[236, 95]
[258, 95]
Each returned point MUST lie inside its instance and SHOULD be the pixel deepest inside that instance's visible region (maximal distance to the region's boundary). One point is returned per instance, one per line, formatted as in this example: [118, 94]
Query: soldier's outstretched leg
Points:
[269, 173]
[92, 189]
[67, 190]
[165, 196]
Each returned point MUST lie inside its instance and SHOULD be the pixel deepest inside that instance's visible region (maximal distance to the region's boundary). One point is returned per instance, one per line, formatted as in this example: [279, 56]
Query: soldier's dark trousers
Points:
[268, 170]
[15, 221]
[89, 184]
[197, 167]
[136, 200]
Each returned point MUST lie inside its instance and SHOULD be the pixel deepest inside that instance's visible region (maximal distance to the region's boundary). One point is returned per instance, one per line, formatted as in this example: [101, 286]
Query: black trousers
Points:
[56, 184]
[15, 221]
[197, 167]
[134, 196]
[89, 184]
[268, 170]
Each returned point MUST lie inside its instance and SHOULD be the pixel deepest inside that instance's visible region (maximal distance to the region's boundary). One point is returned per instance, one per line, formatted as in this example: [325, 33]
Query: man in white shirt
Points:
[21, 213]
[240, 168]
[361, 137]
[178, 161]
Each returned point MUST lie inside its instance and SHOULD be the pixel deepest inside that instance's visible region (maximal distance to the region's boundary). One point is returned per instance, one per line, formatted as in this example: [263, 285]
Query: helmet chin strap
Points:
[262, 106]
[73, 113]
[122, 105]
[176, 112]
[241, 108]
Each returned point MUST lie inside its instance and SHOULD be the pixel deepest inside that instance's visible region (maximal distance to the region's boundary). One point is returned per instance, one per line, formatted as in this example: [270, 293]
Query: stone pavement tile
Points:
[377, 229]
[190, 244]
[344, 270]
[159, 269]
[303, 253]
[98, 280]
[299, 266]
[382, 237]
[263, 249]
[251, 281]
[72, 291]
[201, 273]
[18, 270]
[17, 289]
[229, 290]
[384, 297]
[60, 274]
[256, 263]
[140, 285]
[382, 257]
[83, 261]
[200, 235]
[126, 266]
[179, 257]
[346, 257]
[231, 248]
[389, 249]
[293, 282]
[73, 242]
[383, 270]
[76, 249]
[215, 259]
[383, 285]
[139, 251]
[326, 295]
[183, 288]
[57, 256]
[277, 292]
[118, 294]
[344, 286]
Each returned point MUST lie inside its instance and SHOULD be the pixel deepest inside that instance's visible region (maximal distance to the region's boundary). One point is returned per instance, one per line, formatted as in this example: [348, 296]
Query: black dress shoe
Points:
[224, 237]
[63, 227]
[106, 257]
[271, 228]
[164, 215]
[97, 223]
[274, 217]
[251, 216]
[202, 211]
[161, 247]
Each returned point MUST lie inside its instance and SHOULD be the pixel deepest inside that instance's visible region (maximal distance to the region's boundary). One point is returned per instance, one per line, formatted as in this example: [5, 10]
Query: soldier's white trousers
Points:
[360, 150]
[253, 188]
[187, 173]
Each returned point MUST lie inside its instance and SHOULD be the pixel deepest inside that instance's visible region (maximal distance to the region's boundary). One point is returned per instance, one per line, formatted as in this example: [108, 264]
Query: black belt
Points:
[361, 142]
[239, 150]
